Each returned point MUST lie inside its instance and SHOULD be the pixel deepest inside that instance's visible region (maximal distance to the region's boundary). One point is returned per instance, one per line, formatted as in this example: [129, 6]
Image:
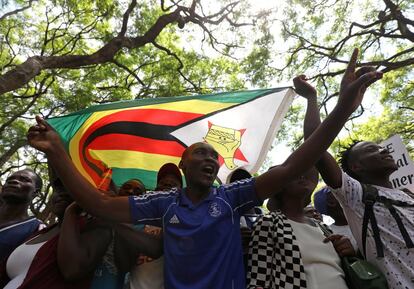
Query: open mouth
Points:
[10, 188]
[388, 157]
[208, 169]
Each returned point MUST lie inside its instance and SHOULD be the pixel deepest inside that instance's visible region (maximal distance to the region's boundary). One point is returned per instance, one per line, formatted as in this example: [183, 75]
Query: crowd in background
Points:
[202, 236]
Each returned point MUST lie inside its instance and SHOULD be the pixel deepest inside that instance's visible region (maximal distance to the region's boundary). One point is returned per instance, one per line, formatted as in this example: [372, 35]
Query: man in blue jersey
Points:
[201, 223]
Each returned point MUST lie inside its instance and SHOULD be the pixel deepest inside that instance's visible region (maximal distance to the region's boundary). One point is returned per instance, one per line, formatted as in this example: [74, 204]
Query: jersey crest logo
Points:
[174, 220]
[214, 210]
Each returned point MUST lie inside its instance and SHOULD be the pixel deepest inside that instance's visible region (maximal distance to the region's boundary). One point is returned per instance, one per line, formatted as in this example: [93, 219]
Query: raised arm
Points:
[79, 253]
[327, 165]
[302, 159]
[44, 138]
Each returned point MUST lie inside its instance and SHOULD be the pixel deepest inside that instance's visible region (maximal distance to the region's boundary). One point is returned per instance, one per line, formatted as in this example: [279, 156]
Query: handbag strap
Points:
[370, 195]
[407, 239]
[324, 228]
[390, 202]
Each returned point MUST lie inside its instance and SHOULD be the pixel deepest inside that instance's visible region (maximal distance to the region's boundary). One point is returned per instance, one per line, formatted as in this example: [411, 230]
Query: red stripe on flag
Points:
[97, 178]
[137, 143]
[154, 116]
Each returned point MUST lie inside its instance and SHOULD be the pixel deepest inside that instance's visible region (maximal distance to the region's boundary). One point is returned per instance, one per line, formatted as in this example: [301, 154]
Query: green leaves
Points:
[320, 36]
[178, 62]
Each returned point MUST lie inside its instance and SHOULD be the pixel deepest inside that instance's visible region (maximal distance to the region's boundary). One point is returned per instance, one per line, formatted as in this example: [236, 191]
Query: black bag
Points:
[359, 273]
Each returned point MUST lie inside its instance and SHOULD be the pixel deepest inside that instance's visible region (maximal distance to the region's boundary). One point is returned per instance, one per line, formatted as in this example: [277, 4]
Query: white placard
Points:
[404, 176]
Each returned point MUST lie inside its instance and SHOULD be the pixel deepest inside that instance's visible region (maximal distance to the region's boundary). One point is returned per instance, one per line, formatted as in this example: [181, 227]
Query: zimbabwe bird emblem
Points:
[226, 141]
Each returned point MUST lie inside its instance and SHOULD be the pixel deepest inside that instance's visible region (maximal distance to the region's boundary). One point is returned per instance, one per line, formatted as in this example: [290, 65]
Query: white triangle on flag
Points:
[258, 120]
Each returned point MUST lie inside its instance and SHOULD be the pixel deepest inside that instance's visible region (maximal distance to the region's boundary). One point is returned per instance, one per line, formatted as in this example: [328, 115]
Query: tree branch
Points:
[4, 16]
[25, 72]
[129, 71]
[8, 153]
[406, 107]
[401, 19]
[180, 66]
[35, 96]
[126, 17]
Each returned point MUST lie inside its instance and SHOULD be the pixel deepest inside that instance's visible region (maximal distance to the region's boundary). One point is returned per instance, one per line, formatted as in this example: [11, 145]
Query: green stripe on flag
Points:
[68, 125]
[149, 178]
[224, 97]
[237, 96]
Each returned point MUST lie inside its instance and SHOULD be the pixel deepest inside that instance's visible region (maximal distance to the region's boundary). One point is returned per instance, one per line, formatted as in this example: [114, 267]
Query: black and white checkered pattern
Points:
[274, 257]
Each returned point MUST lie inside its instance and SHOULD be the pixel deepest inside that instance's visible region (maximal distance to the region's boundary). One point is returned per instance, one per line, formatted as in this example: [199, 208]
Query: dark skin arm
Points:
[79, 253]
[352, 90]
[124, 257]
[129, 243]
[327, 165]
[44, 138]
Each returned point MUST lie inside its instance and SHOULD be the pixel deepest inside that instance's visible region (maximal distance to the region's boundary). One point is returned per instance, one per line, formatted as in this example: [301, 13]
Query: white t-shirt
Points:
[148, 273]
[345, 231]
[19, 262]
[398, 261]
[321, 262]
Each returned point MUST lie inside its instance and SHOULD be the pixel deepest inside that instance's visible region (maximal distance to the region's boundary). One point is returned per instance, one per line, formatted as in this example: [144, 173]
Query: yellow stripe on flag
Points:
[133, 159]
[192, 106]
[74, 142]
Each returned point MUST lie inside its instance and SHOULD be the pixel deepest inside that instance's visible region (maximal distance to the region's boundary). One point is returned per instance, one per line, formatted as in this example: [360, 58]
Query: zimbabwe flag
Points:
[133, 139]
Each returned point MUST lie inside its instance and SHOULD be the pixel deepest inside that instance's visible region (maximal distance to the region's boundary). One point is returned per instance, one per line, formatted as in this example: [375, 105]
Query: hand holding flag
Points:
[42, 136]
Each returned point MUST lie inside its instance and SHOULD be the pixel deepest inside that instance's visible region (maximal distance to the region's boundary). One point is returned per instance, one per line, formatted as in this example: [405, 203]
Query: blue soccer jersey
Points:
[14, 235]
[202, 244]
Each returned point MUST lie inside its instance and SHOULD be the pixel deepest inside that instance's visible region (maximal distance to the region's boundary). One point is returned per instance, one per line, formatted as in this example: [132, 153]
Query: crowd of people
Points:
[202, 236]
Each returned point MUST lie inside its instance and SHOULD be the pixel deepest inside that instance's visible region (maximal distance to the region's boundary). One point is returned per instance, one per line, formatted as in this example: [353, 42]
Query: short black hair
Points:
[137, 180]
[344, 156]
[239, 174]
[38, 179]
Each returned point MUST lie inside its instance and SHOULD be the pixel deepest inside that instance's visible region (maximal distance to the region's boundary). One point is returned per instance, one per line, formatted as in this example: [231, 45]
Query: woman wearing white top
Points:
[42, 263]
[289, 250]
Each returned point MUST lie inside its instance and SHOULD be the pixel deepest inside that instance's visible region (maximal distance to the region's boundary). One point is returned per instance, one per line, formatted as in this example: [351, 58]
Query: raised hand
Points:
[354, 84]
[303, 88]
[42, 136]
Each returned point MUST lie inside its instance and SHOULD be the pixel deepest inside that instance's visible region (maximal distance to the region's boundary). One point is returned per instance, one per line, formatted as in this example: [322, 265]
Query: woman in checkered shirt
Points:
[289, 250]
